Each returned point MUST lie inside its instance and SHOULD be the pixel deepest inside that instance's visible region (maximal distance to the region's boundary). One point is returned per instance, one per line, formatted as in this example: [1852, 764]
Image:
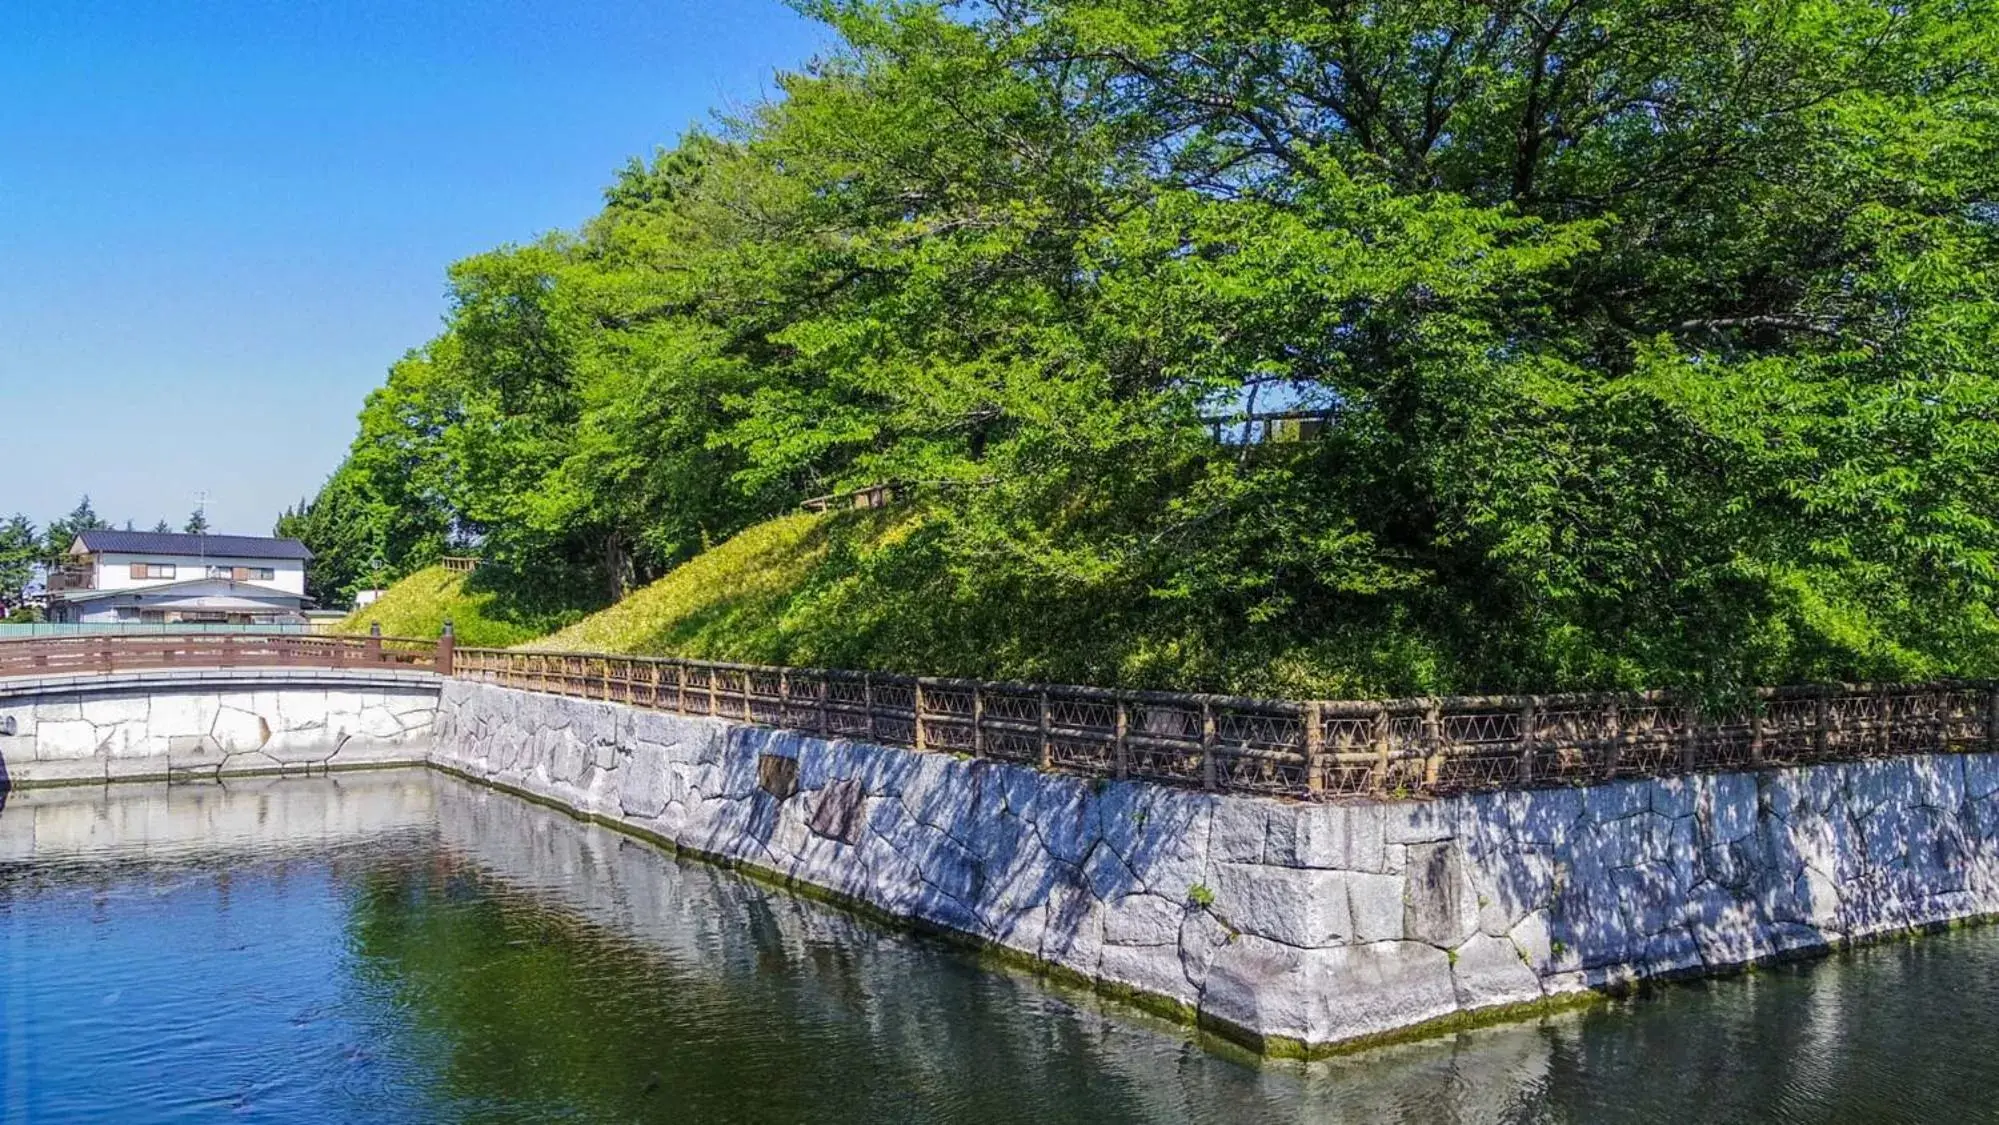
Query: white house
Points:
[161, 578]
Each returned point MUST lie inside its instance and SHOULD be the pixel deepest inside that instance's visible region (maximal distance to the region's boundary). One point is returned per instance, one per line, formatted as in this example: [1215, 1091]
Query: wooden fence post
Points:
[1047, 752]
[1433, 744]
[1756, 731]
[868, 704]
[1613, 736]
[447, 644]
[372, 647]
[1120, 754]
[825, 717]
[1380, 739]
[1822, 723]
[714, 694]
[1530, 722]
[1315, 746]
[978, 721]
[922, 741]
[1690, 741]
[1992, 718]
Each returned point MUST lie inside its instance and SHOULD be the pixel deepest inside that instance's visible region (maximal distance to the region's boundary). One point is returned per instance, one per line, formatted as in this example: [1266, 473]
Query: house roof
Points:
[190, 587]
[191, 546]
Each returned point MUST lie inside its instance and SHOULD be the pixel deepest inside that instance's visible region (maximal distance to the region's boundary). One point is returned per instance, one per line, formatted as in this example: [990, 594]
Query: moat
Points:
[403, 946]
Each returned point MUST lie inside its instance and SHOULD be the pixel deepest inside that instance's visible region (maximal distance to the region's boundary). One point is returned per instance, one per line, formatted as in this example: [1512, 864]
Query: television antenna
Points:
[201, 513]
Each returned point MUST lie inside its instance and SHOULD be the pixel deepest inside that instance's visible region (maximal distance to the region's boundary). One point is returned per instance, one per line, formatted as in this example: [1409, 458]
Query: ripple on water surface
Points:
[402, 947]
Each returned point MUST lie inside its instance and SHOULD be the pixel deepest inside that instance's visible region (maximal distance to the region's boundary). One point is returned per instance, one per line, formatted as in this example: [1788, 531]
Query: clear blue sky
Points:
[220, 222]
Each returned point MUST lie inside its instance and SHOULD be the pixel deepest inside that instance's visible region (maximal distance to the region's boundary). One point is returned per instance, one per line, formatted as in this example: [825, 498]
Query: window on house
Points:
[243, 573]
[143, 571]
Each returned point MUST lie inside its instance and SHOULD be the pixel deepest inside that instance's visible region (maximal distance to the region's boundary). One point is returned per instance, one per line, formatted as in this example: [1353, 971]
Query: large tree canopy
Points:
[1660, 340]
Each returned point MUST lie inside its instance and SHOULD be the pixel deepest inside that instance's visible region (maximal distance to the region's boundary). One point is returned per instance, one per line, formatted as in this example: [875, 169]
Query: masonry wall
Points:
[162, 724]
[1300, 926]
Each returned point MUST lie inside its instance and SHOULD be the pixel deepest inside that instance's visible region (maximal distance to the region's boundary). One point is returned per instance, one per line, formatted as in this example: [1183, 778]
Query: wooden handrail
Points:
[119, 652]
[1310, 750]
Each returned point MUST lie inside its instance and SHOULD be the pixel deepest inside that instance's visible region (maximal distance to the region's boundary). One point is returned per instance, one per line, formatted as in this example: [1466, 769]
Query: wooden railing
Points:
[873, 496]
[1317, 749]
[105, 652]
[1313, 749]
[459, 564]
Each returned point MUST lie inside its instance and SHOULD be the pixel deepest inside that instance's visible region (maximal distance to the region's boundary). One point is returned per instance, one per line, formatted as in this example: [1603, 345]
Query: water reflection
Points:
[408, 947]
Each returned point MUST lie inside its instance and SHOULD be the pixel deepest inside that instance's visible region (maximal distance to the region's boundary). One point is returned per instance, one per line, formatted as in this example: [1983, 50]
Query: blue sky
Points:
[221, 222]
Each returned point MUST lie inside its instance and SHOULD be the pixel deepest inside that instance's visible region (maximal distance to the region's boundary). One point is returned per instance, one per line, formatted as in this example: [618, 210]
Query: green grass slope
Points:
[759, 597]
[418, 606]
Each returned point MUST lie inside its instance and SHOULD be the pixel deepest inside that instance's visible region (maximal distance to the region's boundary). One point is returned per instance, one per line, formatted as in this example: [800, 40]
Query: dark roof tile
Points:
[193, 546]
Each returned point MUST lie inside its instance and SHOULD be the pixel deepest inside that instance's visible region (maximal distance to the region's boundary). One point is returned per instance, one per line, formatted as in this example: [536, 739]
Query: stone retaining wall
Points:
[71, 729]
[1294, 927]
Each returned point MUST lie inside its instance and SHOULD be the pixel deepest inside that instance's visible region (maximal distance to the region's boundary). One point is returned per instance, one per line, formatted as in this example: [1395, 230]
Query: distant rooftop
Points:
[192, 546]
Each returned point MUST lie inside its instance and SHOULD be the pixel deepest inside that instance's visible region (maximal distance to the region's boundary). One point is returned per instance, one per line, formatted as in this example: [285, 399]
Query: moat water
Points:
[405, 947]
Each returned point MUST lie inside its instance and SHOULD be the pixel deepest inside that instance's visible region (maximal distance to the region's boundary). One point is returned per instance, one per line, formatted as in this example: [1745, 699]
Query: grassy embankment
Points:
[418, 606]
[771, 594]
[761, 597]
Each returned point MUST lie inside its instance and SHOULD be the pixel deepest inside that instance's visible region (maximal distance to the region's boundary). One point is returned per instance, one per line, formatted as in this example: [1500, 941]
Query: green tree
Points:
[20, 551]
[1660, 344]
[60, 534]
[197, 523]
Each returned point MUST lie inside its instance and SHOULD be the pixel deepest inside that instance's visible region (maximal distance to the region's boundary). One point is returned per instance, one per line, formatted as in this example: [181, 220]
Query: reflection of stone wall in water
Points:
[112, 727]
[162, 824]
[1304, 924]
[723, 927]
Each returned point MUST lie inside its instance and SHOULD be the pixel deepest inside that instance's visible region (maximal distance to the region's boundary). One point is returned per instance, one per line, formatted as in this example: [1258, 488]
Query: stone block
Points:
[1149, 968]
[1729, 807]
[59, 709]
[836, 811]
[1294, 905]
[1981, 776]
[1064, 814]
[645, 784]
[776, 776]
[1419, 822]
[1487, 971]
[57, 770]
[1341, 837]
[293, 747]
[1271, 988]
[1202, 935]
[237, 731]
[1240, 825]
[1073, 929]
[1673, 797]
[1439, 906]
[107, 709]
[62, 739]
[1369, 989]
[1376, 902]
[1617, 800]
[1530, 937]
[1143, 919]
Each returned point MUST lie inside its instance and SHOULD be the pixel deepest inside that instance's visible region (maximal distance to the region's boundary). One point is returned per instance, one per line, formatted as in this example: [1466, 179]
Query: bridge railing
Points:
[1309, 750]
[105, 652]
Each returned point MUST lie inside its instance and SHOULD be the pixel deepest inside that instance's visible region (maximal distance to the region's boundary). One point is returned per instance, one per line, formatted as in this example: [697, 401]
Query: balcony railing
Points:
[60, 580]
